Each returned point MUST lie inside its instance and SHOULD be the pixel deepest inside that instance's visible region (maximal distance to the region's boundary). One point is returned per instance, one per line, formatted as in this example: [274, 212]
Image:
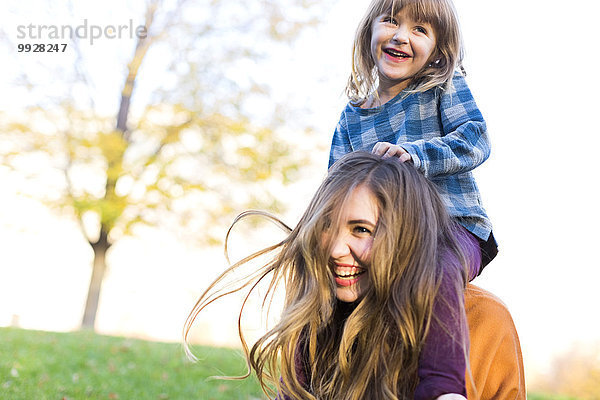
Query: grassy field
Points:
[37, 365]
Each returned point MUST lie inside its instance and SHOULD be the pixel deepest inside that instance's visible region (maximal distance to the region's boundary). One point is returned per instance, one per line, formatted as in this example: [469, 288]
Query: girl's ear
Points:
[437, 60]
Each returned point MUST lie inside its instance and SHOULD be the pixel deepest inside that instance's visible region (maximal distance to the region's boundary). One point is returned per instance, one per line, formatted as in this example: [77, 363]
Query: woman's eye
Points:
[362, 230]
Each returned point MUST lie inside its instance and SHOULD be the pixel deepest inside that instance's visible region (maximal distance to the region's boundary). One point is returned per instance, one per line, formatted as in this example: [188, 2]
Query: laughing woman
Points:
[374, 281]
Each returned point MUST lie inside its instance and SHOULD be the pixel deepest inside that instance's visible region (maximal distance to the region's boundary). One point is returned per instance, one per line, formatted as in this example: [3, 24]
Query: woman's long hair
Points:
[446, 58]
[371, 351]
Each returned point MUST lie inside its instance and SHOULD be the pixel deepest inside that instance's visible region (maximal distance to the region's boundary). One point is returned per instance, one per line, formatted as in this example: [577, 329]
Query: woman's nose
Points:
[340, 247]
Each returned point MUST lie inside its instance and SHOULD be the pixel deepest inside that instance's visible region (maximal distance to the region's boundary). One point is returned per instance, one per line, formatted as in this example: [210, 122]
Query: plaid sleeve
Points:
[340, 143]
[463, 144]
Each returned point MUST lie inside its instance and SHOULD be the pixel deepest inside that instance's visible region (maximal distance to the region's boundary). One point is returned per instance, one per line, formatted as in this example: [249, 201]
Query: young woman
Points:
[371, 272]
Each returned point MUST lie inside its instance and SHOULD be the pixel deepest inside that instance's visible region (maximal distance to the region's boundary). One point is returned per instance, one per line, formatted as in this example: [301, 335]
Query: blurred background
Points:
[125, 157]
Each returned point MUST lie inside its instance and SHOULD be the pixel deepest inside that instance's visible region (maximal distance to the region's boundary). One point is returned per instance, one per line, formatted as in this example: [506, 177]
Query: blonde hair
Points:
[374, 351]
[447, 55]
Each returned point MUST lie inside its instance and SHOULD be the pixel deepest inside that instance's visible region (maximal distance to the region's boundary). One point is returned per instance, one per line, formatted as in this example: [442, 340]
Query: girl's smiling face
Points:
[351, 248]
[401, 47]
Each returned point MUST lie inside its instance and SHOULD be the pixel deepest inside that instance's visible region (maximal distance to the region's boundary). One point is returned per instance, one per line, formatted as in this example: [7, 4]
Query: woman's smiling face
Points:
[351, 247]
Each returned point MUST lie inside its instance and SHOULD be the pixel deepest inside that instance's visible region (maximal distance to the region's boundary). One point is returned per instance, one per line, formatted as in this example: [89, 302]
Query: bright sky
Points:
[531, 67]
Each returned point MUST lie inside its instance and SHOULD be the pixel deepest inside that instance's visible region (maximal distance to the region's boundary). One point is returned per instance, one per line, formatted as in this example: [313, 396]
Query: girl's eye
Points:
[421, 30]
[389, 20]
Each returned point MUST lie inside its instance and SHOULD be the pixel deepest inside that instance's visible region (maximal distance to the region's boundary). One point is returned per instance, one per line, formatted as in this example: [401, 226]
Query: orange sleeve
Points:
[496, 362]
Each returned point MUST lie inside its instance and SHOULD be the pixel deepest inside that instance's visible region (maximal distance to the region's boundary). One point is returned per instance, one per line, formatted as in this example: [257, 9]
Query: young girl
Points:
[408, 100]
[371, 272]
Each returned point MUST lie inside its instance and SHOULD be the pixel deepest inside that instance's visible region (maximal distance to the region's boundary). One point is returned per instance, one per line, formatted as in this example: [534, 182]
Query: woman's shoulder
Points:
[480, 302]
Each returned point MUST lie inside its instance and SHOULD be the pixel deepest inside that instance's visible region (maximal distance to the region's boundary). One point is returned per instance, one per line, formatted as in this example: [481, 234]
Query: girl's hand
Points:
[386, 150]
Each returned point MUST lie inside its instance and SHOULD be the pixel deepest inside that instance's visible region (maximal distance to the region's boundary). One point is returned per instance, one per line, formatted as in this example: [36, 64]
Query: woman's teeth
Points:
[350, 272]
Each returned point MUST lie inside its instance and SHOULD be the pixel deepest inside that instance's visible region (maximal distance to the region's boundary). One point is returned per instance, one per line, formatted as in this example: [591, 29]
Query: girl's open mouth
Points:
[395, 53]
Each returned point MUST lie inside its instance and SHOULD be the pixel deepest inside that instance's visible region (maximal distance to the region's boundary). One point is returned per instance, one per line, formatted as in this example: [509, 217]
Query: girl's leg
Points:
[472, 251]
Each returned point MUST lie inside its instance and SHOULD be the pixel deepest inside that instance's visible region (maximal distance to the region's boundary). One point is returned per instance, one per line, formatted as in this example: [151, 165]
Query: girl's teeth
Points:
[395, 53]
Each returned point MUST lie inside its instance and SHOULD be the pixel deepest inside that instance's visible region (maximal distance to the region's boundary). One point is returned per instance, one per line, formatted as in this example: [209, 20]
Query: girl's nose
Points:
[401, 35]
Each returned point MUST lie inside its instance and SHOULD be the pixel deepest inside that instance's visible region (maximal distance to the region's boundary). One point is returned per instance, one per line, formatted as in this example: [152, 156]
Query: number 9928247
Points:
[41, 47]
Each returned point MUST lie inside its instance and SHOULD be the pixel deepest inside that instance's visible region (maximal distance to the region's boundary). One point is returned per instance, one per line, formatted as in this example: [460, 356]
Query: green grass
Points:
[37, 365]
[543, 396]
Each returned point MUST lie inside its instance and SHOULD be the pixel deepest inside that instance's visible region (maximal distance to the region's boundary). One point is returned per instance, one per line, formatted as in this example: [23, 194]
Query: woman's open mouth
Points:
[347, 275]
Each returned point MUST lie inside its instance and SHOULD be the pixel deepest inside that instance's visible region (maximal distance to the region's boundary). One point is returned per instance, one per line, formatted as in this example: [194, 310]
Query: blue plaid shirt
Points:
[442, 130]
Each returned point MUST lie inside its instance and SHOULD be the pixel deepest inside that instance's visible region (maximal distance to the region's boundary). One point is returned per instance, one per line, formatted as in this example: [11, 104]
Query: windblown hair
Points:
[446, 58]
[371, 351]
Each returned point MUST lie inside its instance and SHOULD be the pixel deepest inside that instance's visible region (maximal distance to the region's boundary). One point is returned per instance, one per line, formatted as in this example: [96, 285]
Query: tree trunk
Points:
[100, 248]
[102, 244]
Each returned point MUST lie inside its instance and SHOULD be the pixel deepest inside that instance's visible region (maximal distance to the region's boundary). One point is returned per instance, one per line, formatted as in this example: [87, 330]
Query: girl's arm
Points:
[464, 143]
[340, 143]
